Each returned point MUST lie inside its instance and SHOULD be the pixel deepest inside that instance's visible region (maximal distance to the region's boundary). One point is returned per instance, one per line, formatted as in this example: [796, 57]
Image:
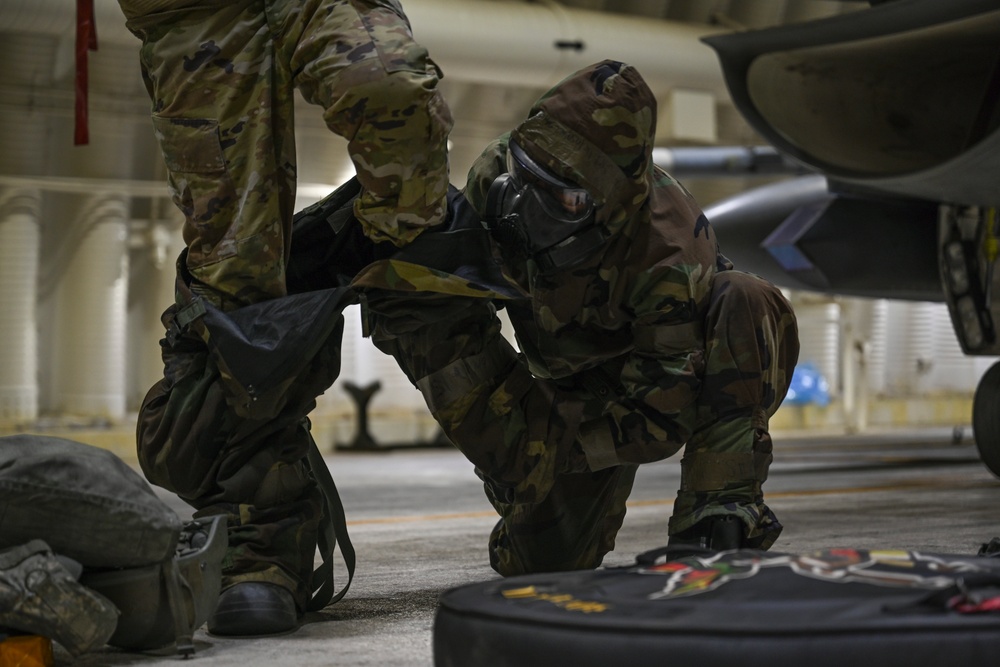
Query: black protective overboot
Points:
[254, 609]
[716, 533]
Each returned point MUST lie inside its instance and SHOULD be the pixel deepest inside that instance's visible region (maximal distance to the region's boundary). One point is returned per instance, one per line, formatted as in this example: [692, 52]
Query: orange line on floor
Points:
[900, 486]
[423, 517]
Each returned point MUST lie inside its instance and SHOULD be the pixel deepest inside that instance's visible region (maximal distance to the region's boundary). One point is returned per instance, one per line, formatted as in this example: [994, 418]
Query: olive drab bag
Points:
[83, 518]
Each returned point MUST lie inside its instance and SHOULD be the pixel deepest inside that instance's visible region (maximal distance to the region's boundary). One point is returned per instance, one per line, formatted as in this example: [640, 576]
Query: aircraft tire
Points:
[986, 419]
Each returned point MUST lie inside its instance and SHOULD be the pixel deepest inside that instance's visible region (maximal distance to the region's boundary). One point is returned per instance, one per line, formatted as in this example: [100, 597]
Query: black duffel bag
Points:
[829, 608]
[109, 532]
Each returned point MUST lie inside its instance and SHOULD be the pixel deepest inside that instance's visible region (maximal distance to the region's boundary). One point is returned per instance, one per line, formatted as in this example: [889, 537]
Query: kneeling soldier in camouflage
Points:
[636, 338]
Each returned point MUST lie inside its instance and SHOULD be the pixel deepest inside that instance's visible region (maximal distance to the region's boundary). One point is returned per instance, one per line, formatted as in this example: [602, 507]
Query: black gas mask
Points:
[531, 212]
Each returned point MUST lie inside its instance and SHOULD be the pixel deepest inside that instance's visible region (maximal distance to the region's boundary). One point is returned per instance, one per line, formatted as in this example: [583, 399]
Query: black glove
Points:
[328, 245]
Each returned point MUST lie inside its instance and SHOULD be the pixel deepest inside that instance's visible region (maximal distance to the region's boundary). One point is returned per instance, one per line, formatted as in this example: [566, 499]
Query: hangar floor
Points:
[419, 523]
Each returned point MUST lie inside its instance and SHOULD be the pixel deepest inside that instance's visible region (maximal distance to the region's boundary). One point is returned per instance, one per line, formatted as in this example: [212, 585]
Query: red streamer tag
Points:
[86, 40]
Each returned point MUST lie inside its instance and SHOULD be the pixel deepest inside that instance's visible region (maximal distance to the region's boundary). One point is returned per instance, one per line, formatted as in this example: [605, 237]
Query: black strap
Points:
[183, 318]
[649, 558]
[183, 632]
[333, 531]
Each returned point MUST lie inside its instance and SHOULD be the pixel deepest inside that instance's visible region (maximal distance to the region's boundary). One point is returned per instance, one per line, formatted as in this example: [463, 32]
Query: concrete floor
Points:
[419, 522]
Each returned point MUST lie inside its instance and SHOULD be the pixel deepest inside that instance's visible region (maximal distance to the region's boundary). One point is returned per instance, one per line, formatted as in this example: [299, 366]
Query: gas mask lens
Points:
[561, 200]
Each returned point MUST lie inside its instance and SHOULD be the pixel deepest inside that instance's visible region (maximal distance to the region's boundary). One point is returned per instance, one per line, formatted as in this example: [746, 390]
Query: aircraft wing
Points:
[900, 98]
[898, 106]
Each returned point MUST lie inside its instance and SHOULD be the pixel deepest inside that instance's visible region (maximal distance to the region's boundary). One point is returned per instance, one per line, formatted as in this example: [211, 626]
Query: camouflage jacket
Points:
[635, 308]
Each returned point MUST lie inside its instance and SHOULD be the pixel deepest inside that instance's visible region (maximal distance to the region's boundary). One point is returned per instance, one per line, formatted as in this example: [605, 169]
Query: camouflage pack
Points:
[112, 535]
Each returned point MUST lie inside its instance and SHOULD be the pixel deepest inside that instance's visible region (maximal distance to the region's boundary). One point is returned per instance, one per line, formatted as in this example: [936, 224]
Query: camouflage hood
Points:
[596, 128]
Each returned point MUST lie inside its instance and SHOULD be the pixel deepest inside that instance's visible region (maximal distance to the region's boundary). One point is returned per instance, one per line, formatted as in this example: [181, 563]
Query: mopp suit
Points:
[636, 338]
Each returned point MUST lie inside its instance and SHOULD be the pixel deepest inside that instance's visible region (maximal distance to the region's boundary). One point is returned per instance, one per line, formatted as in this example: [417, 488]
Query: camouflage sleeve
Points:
[512, 426]
[663, 367]
[381, 93]
[656, 386]
[661, 378]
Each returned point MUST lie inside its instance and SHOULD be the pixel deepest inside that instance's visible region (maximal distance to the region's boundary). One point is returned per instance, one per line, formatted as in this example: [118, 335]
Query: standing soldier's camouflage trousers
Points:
[559, 492]
[221, 75]
[231, 446]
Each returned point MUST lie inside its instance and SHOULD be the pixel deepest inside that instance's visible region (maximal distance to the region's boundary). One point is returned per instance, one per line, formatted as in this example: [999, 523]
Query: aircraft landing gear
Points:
[968, 251]
[986, 418]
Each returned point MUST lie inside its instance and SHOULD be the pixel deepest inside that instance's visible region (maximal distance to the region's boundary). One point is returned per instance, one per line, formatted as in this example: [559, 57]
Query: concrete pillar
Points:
[19, 249]
[86, 240]
[26, 77]
[89, 333]
[857, 321]
[819, 336]
[922, 346]
[151, 289]
[878, 349]
[687, 116]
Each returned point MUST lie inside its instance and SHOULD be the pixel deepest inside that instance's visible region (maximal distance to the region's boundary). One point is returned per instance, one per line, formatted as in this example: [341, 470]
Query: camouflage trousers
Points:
[230, 446]
[557, 512]
[222, 76]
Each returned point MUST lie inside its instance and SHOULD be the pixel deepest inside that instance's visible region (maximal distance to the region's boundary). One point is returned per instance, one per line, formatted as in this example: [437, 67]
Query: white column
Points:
[857, 317]
[89, 368]
[878, 351]
[25, 77]
[819, 336]
[19, 250]
[151, 289]
[924, 359]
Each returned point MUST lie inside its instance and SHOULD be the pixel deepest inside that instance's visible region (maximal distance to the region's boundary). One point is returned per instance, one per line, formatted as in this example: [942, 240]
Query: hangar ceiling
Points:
[496, 56]
[485, 108]
[661, 33]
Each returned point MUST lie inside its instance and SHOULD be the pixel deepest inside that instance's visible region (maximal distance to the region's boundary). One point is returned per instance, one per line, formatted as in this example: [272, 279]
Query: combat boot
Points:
[716, 533]
[39, 596]
[254, 609]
